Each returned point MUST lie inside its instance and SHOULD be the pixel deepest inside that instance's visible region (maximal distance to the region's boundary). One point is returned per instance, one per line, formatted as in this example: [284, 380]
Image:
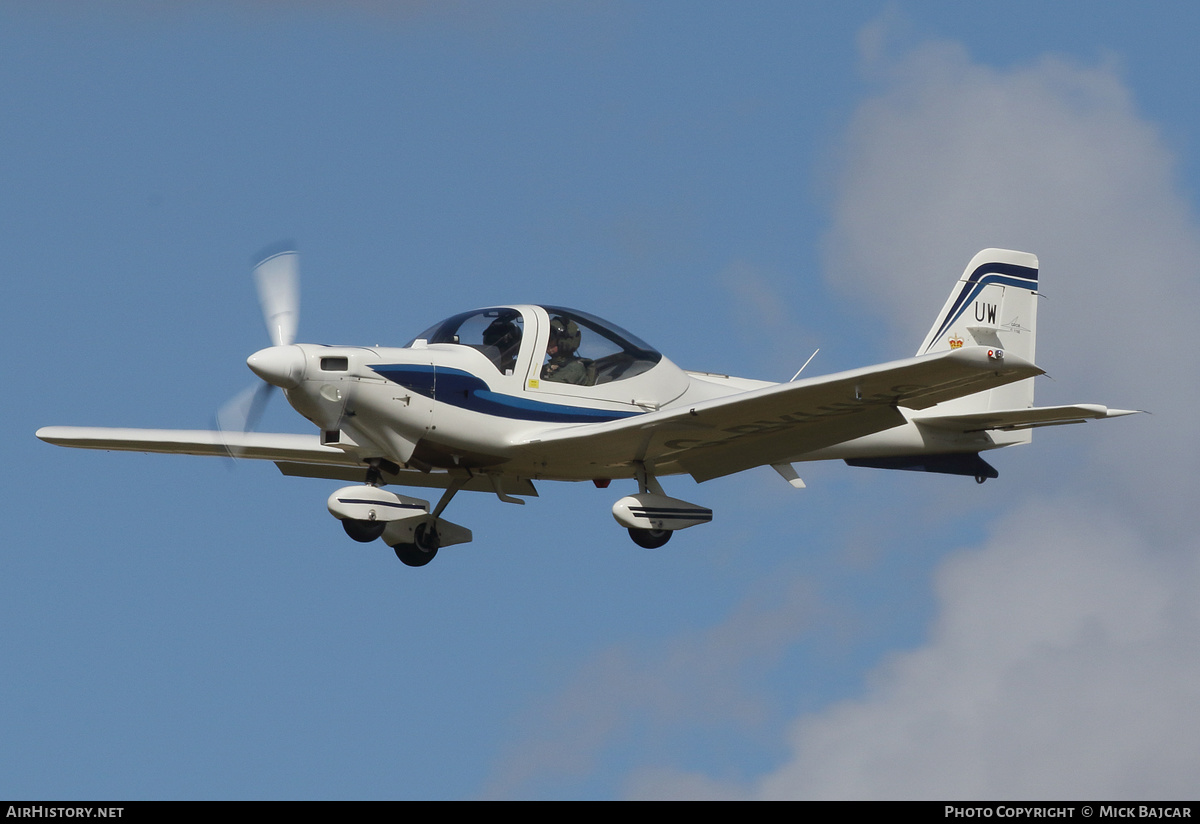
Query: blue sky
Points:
[736, 183]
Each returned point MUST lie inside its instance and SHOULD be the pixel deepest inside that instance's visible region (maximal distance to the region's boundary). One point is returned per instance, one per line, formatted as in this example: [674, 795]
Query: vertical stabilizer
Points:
[994, 304]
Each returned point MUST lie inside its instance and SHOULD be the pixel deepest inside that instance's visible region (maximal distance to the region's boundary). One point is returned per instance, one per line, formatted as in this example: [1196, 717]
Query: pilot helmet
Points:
[566, 333]
[501, 333]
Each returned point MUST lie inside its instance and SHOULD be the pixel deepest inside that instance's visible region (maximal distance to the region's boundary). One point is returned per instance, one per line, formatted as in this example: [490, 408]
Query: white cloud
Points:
[1062, 664]
[1062, 661]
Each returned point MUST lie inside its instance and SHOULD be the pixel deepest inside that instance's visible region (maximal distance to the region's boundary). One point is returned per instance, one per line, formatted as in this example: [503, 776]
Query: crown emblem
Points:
[956, 342]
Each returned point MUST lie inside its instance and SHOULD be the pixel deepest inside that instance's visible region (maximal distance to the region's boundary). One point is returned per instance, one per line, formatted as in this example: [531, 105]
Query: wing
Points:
[267, 446]
[299, 455]
[729, 434]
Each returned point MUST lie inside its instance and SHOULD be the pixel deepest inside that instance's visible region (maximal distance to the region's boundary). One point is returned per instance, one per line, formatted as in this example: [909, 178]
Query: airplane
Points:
[496, 399]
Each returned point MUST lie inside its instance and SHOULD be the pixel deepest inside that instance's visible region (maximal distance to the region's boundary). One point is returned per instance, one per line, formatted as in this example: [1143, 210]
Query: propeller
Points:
[277, 280]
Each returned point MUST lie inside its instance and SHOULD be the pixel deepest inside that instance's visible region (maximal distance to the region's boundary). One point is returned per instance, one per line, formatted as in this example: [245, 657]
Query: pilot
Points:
[563, 366]
[503, 334]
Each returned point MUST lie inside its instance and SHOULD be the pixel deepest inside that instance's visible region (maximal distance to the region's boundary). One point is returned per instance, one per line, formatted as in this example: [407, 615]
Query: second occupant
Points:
[563, 366]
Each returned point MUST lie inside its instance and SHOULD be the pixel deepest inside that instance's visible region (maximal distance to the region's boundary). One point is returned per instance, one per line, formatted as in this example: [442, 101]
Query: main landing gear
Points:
[416, 533]
[405, 524]
[651, 517]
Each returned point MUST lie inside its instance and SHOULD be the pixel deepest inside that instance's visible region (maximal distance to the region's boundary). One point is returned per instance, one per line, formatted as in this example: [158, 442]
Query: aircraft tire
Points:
[650, 538]
[426, 538]
[363, 531]
[412, 555]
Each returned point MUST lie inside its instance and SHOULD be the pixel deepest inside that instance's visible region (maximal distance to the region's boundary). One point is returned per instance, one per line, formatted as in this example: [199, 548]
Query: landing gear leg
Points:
[448, 496]
[646, 481]
[375, 469]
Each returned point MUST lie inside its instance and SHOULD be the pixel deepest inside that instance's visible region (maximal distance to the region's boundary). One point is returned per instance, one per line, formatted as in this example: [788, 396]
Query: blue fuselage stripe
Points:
[466, 391]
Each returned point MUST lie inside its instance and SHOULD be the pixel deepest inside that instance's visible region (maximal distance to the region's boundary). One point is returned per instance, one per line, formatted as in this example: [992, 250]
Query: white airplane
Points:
[494, 399]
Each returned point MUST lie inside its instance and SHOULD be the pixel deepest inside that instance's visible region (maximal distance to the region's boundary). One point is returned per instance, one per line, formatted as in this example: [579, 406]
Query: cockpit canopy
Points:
[496, 333]
[606, 351]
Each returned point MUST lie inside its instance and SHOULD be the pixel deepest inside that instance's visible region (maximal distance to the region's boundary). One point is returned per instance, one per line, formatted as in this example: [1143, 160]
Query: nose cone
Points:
[282, 366]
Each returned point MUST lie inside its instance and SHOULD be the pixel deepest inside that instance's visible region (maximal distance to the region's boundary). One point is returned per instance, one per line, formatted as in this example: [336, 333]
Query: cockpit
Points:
[576, 347]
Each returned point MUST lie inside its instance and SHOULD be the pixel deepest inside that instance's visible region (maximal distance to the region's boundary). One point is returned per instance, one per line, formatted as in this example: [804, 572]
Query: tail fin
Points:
[993, 304]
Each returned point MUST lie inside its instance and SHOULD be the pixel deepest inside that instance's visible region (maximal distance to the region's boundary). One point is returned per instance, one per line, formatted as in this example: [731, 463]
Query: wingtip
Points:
[992, 357]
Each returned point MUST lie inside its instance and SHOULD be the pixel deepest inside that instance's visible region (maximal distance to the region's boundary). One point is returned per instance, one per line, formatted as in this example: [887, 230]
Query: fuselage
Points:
[475, 390]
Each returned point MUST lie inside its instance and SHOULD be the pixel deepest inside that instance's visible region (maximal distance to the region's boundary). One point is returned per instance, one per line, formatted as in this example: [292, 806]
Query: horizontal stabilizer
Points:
[1012, 419]
[955, 464]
